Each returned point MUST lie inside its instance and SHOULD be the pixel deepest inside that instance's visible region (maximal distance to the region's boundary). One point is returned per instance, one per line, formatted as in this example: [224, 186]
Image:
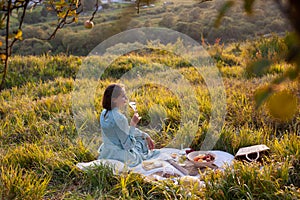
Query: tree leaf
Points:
[61, 15]
[248, 4]
[19, 34]
[227, 5]
[261, 95]
[282, 105]
[292, 73]
[259, 67]
[2, 22]
[2, 56]
[11, 36]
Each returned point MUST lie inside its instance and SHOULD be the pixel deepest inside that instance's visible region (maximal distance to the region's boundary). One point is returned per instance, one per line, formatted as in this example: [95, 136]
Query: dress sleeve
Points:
[124, 132]
[139, 133]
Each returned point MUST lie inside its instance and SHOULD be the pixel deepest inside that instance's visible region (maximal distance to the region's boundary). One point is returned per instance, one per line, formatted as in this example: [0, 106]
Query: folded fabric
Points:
[116, 165]
[151, 164]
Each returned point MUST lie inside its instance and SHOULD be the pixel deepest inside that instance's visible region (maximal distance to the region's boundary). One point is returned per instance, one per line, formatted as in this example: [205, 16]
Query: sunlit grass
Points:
[39, 144]
[17, 183]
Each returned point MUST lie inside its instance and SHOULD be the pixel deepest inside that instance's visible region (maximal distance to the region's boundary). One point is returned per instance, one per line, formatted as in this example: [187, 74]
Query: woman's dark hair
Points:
[112, 91]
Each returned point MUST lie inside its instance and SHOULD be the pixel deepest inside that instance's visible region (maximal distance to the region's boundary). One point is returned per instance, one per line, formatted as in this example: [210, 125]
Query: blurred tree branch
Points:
[67, 12]
[291, 9]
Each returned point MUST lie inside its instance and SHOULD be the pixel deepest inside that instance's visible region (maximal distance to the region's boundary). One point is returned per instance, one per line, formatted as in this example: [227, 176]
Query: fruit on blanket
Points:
[173, 155]
[189, 151]
[182, 159]
[204, 158]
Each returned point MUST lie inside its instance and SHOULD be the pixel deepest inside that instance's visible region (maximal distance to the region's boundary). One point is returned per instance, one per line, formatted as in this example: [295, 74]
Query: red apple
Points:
[88, 24]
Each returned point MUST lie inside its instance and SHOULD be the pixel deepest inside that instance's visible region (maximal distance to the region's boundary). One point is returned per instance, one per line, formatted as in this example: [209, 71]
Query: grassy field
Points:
[40, 145]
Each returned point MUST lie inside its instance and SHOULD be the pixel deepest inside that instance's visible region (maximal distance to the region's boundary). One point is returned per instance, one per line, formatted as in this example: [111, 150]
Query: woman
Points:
[121, 141]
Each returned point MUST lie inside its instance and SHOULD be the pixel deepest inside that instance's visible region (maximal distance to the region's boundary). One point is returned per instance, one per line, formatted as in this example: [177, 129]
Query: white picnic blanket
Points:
[222, 159]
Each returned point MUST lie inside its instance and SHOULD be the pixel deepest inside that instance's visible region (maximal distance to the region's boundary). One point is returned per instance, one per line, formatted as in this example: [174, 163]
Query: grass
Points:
[40, 145]
[16, 183]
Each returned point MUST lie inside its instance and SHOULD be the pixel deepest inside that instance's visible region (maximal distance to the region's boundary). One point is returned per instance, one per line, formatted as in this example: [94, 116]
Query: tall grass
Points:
[40, 144]
[17, 183]
[251, 181]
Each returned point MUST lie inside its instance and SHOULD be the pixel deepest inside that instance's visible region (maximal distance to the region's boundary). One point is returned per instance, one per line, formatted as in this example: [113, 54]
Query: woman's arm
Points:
[127, 133]
[124, 133]
[138, 133]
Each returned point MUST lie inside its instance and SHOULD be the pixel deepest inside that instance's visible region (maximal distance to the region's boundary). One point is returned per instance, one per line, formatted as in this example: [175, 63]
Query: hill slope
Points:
[189, 17]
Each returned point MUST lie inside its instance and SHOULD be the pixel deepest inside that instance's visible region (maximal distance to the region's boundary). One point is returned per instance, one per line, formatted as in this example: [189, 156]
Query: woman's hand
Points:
[150, 143]
[135, 119]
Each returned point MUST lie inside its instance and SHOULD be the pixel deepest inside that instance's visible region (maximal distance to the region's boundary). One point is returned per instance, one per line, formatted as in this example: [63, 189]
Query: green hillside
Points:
[189, 17]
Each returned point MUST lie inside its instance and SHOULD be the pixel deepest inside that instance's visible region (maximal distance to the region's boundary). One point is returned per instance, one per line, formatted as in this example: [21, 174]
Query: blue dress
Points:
[121, 142]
